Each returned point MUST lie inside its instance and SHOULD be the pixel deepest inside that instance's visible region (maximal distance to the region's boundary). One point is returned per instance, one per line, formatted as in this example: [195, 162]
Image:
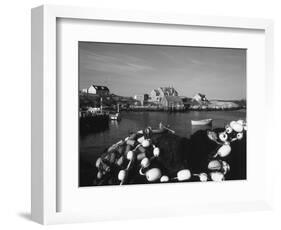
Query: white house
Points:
[142, 98]
[98, 89]
[93, 110]
[157, 94]
[200, 98]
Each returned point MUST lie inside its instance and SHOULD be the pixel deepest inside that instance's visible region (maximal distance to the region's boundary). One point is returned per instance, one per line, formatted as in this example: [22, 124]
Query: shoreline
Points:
[180, 110]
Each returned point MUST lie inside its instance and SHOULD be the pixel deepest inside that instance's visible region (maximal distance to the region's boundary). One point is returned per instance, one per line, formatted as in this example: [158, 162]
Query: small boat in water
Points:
[115, 116]
[202, 122]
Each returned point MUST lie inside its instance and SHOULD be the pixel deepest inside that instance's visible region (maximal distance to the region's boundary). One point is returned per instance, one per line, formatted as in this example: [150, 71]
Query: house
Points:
[143, 98]
[200, 98]
[84, 90]
[157, 94]
[98, 89]
[93, 109]
[167, 91]
[172, 102]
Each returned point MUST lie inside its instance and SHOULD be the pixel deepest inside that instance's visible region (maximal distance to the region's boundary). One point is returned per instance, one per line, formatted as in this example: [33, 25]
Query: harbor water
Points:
[91, 145]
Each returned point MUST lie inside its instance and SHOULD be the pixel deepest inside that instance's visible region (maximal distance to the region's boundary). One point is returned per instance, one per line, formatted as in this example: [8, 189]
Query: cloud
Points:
[131, 68]
[112, 62]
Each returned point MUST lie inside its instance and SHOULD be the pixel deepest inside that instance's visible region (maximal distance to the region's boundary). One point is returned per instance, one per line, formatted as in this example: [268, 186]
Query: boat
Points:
[115, 116]
[202, 122]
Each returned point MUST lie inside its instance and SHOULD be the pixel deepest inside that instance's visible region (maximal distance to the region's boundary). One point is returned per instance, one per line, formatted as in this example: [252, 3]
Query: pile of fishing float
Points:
[140, 153]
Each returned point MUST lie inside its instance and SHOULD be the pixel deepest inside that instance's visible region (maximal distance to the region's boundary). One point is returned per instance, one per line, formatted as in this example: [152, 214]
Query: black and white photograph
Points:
[161, 114]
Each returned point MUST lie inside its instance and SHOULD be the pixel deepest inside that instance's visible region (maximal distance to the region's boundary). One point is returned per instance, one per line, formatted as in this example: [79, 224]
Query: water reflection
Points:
[114, 123]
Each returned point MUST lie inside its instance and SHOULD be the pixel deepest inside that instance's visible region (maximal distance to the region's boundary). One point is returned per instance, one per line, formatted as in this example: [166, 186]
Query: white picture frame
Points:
[45, 91]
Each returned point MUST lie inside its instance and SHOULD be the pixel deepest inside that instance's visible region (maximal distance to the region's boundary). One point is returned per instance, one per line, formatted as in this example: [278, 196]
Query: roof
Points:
[200, 94]
[156, 92]
[100, 87]
[168, 90]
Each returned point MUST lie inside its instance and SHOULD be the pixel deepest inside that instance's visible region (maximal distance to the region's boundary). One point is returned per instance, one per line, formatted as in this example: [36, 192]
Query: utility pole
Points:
[101, 104]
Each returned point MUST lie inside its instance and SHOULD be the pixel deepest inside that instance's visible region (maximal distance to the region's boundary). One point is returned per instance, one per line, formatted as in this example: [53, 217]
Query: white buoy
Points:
[241, 122]
[232, 123]
[130, 155]
[217, 176]
[99, 175]
[146, 143]
[120, 161]
[212, 136]
[203, 177]
[225, 167]
[214, 165]
[121, 175]
[184, 174]
[239, 136]
[223, 136]
[121, 142]
[153, 174]
[228, 129]
[141, 139]
[224, 150]
[98, 162]
[140, 132]
[131, 142]
[237, 127]
[145, 162]
[164, 179]
[156, 152]
[141, 156]
[141, 172]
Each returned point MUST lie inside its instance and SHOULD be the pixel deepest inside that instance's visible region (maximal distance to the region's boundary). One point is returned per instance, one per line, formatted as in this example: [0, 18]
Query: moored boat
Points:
[202, 122]
[115, 116]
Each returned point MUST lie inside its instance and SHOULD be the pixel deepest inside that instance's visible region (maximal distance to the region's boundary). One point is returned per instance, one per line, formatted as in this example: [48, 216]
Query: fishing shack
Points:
[172, 103]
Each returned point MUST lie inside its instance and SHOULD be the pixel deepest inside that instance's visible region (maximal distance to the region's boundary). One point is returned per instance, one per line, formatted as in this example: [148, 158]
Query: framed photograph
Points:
[140, 114]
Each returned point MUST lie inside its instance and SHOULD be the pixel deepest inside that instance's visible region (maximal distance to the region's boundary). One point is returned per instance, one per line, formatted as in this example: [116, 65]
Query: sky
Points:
[132, 69]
